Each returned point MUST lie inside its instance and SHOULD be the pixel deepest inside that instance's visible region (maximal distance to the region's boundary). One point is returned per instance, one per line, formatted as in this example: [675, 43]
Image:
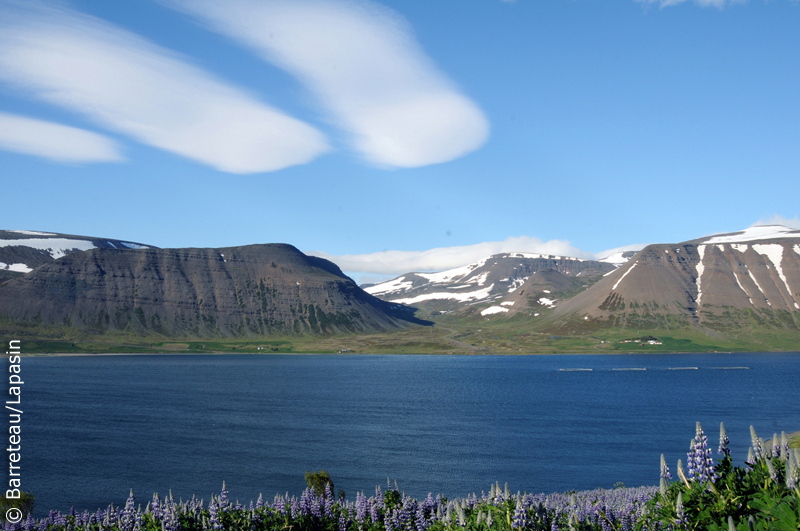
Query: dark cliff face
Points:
[251, 290]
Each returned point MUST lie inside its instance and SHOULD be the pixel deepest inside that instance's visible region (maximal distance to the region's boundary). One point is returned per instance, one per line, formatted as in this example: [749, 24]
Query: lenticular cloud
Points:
[365, 68]
[126, 84]
[54, 141]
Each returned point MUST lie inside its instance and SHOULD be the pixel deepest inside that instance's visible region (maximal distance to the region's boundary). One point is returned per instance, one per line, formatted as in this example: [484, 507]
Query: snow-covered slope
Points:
[488, 280]
[21, 251]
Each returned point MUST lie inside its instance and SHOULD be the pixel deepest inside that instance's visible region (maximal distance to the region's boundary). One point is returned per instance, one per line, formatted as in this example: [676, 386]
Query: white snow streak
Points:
[134, 245]
[625, 274]
[742, 287]
[758, 286]
[701, 249]
[774, 252]
[507, 303]
[32, 233]
[494, 309]
[544, 301]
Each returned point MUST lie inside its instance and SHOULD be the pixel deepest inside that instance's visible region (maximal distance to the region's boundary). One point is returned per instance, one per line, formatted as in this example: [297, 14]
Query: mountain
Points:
[252, 290]
[501, 278]
[21, 251]
[722, 282]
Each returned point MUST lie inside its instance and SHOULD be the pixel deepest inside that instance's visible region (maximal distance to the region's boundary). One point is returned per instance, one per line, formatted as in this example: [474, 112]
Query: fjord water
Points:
[95, 427]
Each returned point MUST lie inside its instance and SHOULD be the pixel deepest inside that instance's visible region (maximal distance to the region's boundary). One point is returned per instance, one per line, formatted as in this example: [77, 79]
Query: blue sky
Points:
[395, 136]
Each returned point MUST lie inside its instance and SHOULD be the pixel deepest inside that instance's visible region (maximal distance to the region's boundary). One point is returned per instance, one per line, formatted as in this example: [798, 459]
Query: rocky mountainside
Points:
[21, 251]
[751, 277]
[501, 279]
[233, 291]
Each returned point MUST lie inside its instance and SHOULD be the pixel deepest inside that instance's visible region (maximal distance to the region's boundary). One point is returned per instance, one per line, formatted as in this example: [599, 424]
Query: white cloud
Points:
[793, 223]
[128, 85]
[54, 141]
[443, 258]
[363, 64]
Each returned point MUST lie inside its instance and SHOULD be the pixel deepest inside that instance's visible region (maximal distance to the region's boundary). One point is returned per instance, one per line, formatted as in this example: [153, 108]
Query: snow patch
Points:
[57, 247]
[112, 245]
[701, 250]
[391, 286]
[739, 247]
[462, 297]
[134, 245]
[615, 259]
[494, 309]
[760, 232]
[516, 283]
[544, 301]
[32, 233]
[507, 303]
[721, 248]
[625, 274]
[19, 267]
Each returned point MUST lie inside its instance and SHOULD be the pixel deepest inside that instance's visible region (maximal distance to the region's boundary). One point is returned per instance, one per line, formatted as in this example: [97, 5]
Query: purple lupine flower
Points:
[213, 514]
[699, 461]
[361, 509]
[723, 449]
[772, 472]
[664, 469]
[784, 447]
[128, 517]
[681, 518]
[260, 501]
[155, 507]
[224, 504]
[520, 515]
[758, 447]
[776, 445]
[328, 501]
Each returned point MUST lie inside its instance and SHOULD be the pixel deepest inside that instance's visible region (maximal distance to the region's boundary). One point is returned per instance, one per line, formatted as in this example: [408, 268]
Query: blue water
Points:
[95, 427]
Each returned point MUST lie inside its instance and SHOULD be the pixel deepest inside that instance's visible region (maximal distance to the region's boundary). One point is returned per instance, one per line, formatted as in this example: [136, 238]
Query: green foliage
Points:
[752, 498]
[317, 481]
[24, 503]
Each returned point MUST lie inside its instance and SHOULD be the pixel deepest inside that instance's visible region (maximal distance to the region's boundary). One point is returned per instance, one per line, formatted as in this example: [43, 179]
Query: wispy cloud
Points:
[442, 258]
[363, 64]
[792, 223]
[129, 85]
[54, 141]
[705, 3]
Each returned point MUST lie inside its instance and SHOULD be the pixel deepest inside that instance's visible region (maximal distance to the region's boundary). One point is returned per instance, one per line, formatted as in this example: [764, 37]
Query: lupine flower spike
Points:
[699, 461]
[679, 510]
[751, 458]
[791, 473]
[723, 441]
[665, 469]
[757, 446]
